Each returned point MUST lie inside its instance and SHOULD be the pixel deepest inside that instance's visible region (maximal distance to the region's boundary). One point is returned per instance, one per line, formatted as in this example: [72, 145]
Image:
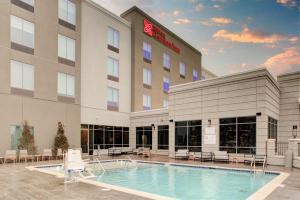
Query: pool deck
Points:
[17, 182]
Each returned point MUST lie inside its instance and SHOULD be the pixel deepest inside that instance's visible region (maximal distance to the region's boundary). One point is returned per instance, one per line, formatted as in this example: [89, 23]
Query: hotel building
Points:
[128, 81]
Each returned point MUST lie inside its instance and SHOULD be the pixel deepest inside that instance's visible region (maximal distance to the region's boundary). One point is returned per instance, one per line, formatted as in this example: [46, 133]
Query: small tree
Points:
[27, 140]
[61, 141]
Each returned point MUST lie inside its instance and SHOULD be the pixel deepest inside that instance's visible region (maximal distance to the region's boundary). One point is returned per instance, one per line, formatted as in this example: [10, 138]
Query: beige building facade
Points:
[35, 70]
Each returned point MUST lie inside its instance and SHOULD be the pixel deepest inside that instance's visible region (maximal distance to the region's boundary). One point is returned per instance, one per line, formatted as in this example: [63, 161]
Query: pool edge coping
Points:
[260, 194]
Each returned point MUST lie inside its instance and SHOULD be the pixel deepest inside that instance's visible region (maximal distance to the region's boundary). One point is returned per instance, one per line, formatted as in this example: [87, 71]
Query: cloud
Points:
[287, 3]
[217, 7]
[199, 7]
[216, 21]
[249, 36]
[182, 21]
[170, 14]
[288, 60]
[176, 12]
[205, 51]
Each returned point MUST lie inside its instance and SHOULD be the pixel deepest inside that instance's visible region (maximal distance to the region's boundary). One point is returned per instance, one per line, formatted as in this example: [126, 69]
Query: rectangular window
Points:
[113, 67]
[188, 135]
[21, 32]
[147, 76]
[144, 137]
[272, 128]
[238, 135]
[163, 136]
[66, 48]
[182, 69]
[166, 104]
[21, 75]
[166, 84]
[167, 61]
[112, 98]
[65, 84]
[113, 37]
[195, 75]
[146, 102]
[147, 52]
[67, 11]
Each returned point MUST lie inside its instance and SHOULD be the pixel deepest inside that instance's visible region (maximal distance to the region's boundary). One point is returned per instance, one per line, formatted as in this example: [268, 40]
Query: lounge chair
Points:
[248, 158]
[23, 155]
[47, 153]
[127, 150]
[10, 155]
[140, 151]
[182, 154]
[59, 153]
[146, 152]
[114, 151]
[260, 159]
[203, 156]
[221, 156]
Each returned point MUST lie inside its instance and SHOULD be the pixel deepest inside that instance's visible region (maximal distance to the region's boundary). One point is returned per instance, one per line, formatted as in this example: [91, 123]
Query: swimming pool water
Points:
[182, 182]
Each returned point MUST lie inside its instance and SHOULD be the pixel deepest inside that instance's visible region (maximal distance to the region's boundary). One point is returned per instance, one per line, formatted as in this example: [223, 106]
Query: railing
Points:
[281, 148]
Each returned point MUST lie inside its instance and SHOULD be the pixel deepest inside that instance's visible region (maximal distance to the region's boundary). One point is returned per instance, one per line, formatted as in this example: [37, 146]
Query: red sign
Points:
[160, 36]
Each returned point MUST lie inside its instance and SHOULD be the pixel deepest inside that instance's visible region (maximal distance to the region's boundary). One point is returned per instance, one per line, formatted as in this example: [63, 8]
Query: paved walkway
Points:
[18, 183]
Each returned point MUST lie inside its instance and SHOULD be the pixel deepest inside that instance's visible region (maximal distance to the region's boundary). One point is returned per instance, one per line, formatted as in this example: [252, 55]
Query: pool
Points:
[178, 181]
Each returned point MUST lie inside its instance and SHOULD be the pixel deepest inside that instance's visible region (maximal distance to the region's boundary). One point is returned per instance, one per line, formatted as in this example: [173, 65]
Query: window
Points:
[188, 135]
[113, 37]
[272, 128]
[195, 75]
[112, 98]
[166, 84]
[182, 69]
[67, 11]
[238, 135]
[163, 136]
[21, 75]
[66, 48]
[147, 76]
[147, 51]
[65, 85]
[144, 137]
[166, 104]
[113, 67]
[147, 102]
[29, 2]
[167, 61]
[22, 32]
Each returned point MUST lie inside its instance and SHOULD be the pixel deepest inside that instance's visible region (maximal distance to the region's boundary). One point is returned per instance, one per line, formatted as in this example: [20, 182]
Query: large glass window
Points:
[144, 137]
[195, 75]
[188, 135]
[21, 75]
[182, 69]
[147, 52]
[163, 136]
[66, 84]
[67, 11]
[66, 48]
[238, 135]
[113, 67]
[166, 84]
[112, 97]
[147, 76]
[113, 37]
[272, 128]
[21, 31]
[146, 102]
[167, 61]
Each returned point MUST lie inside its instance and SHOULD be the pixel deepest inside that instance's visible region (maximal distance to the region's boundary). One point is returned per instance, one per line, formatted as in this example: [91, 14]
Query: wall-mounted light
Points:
[153, 126]
[209, 122]
[294, 132]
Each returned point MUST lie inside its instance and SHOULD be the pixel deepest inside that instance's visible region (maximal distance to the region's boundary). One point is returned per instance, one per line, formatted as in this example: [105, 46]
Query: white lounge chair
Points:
[182, 153]
[221, 156]
[10, 155]
[59, 153]
[146, 152]
[23, 155]
[203, 156]
[47, 153]
[140, 151]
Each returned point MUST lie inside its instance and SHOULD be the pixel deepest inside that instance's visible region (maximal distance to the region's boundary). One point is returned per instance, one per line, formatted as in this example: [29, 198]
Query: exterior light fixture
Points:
[294, 132]
[153, 126]
[209, 122]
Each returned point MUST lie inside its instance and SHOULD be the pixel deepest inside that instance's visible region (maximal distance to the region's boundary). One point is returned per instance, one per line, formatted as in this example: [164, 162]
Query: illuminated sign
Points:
[160, 36]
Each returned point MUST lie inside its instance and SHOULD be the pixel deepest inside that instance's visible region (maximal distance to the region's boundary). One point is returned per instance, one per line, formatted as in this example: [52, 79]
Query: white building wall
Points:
[94, 82]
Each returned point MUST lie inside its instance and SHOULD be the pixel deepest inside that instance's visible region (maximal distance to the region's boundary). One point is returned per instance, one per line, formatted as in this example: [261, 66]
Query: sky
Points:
[232, 35]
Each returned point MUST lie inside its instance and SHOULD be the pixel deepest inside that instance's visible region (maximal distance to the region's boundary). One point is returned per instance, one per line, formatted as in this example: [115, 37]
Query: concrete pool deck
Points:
[17, 182]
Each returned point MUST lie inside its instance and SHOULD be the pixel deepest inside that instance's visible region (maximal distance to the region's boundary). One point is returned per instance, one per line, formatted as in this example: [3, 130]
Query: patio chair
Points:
[10, 155]
[47, 153]
[203, 156]
[23, 155]
[140, 151]
[59, 153]
[182, 154]
[248, 158]
[260, 159]
[146, 152]
[221, 156]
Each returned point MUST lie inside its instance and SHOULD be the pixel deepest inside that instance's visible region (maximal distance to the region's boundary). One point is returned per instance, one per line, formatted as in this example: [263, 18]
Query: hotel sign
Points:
[159, 35]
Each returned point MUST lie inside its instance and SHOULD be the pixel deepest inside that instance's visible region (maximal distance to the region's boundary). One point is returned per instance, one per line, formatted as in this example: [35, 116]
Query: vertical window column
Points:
[147, 52]
[113, 39]
[112, 99]
[182, 70]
